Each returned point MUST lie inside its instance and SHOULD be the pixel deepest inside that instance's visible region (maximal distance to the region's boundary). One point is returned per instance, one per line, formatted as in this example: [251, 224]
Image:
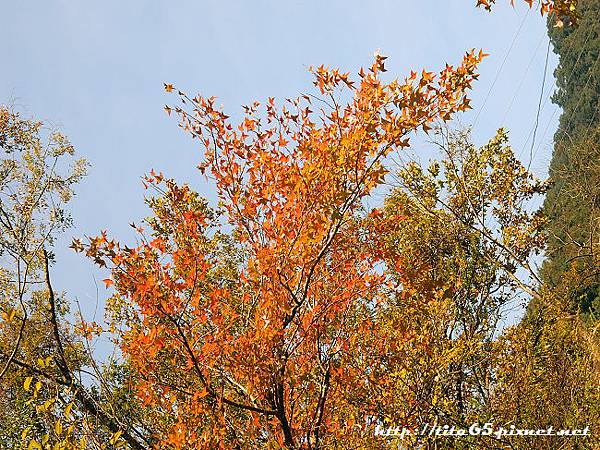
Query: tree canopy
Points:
[299, 311]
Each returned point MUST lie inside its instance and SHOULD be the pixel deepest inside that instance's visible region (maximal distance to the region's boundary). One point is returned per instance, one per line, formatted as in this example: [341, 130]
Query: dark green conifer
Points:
[573, 202]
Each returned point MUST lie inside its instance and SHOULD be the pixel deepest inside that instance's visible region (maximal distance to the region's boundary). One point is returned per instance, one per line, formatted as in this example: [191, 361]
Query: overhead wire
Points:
[537, 116]
[569, 78]
[589, 126]
[522, 82]
[499, 71]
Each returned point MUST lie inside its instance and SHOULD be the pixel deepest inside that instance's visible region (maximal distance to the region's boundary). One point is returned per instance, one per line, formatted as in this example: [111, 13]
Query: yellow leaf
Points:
[9, 315]
[115, 437]
[47, 404]
[68, 411]
[58, 428]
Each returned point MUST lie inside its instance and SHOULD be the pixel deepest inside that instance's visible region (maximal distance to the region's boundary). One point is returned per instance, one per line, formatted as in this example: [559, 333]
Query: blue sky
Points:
[96, 70]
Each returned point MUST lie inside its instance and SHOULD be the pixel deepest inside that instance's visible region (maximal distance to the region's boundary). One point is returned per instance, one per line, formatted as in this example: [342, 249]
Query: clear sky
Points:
[96, 70]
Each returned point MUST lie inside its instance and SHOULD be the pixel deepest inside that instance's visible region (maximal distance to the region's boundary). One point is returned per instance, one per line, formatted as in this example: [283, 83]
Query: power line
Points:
[514, 97]
[569, 78]
[514, 40]
[537, 116]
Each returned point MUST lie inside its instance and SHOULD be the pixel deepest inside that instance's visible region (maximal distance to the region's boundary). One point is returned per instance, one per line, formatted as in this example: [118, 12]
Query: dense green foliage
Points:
[572, 202]
[578, 73]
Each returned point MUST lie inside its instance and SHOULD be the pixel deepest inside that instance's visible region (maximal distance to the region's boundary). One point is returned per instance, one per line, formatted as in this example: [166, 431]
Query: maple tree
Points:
[248, 349]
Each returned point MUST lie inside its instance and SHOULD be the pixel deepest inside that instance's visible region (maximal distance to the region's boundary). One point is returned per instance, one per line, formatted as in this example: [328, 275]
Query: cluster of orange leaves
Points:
[560, 8]
[257, 354]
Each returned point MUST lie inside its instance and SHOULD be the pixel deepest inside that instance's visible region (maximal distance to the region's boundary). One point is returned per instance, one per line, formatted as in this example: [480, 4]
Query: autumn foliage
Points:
[301, 311]
[253, 343]
[560, 11]
[560, 8]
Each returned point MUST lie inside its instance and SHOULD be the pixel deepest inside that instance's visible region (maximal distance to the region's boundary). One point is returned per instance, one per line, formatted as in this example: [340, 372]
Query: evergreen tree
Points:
[573, 201]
